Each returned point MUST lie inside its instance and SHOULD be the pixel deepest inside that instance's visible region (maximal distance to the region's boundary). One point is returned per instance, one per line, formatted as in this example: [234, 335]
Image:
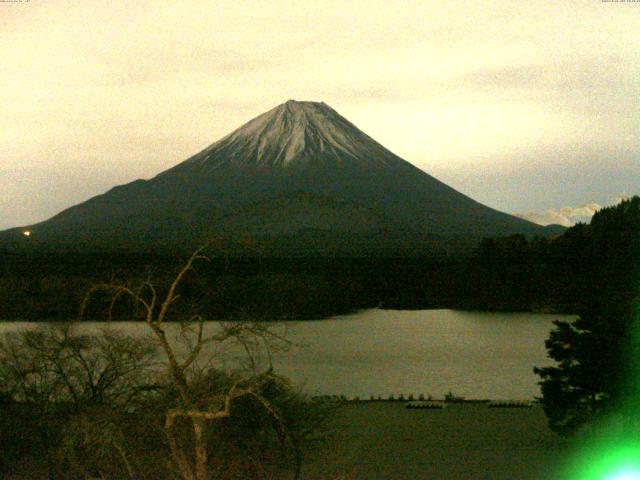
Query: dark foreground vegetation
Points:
[510, 273]
[77, 406]
[109, 406]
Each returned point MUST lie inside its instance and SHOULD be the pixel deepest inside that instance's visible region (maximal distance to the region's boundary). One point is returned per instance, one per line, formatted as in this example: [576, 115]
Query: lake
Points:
[384, 352]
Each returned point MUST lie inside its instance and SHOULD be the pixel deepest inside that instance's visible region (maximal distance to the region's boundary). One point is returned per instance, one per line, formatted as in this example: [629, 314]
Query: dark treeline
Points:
[564, 273]
[509, 273]
[51, 286]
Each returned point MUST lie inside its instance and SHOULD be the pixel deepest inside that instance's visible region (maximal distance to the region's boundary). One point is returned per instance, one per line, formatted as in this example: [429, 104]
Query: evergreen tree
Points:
[597, 369]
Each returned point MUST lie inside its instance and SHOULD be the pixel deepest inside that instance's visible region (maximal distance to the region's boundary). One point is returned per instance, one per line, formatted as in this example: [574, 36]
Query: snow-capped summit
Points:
[295, 133]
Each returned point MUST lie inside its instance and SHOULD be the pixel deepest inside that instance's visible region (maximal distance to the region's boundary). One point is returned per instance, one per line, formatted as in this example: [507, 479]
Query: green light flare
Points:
[611, 451]
[606, 461]
[632, 474]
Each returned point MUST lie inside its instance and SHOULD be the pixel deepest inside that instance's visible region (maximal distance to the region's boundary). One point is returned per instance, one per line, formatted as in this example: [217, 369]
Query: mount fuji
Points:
[298, 178]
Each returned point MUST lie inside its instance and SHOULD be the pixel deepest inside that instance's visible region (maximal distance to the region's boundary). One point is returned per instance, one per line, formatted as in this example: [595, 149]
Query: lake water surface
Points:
[384, 352]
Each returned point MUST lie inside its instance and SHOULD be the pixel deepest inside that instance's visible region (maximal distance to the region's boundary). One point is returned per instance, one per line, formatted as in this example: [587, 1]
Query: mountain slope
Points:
[298, 168]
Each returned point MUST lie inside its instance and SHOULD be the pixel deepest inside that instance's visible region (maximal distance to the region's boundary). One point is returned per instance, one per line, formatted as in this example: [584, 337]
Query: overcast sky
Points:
[529, 107]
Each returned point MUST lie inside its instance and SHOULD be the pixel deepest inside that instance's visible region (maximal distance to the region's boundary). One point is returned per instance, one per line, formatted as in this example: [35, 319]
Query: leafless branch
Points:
[171, 295]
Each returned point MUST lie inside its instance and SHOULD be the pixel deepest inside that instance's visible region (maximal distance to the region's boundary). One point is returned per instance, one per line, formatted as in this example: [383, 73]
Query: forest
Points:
[513, 273]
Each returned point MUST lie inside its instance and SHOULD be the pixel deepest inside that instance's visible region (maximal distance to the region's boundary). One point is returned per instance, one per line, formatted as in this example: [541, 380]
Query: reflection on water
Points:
[383, 352]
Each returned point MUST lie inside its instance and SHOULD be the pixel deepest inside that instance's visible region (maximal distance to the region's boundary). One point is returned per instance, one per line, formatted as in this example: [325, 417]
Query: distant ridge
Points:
[299, 177]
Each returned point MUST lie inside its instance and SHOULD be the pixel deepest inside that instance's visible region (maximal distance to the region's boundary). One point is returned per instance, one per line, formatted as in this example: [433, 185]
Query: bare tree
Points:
[192, 458]
[59, 385]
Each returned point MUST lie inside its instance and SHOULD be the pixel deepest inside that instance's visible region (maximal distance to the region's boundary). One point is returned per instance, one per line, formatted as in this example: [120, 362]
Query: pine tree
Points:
[597, 355]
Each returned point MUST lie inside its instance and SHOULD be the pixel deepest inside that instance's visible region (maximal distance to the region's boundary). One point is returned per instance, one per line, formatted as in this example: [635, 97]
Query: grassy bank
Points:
[384, 440]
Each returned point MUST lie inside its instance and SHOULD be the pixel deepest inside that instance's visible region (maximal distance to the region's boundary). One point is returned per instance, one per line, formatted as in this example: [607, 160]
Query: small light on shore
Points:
[27, 233]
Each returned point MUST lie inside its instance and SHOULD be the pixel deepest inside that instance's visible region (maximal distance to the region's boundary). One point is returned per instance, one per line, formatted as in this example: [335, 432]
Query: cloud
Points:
[567, 216]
